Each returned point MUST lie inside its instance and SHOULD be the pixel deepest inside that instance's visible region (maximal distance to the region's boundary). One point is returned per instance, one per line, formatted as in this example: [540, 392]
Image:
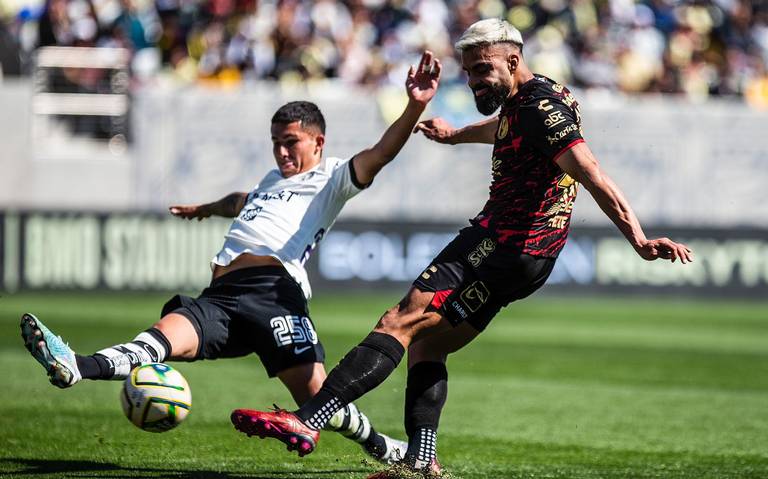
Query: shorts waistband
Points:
[249, 272]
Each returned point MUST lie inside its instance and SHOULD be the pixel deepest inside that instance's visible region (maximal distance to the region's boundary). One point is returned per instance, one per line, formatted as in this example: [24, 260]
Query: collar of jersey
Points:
[523, 88]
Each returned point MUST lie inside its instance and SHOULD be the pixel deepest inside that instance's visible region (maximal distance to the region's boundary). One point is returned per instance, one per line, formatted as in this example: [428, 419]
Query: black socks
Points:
[425, 397]
[361, 370]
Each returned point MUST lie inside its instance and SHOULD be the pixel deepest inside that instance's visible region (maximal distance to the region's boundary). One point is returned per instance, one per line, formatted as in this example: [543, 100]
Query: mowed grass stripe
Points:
[610, 417]
[615, 364]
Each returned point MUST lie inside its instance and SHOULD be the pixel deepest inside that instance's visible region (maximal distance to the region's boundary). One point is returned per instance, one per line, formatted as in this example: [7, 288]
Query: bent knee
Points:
[405, 324]
[395, 320]
[181, 335]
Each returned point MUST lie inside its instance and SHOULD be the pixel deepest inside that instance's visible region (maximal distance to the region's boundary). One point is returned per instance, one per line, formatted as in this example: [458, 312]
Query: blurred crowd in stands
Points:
[696, 48]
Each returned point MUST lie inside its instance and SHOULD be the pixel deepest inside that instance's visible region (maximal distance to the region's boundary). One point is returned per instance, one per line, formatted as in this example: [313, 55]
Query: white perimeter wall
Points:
[678, 163]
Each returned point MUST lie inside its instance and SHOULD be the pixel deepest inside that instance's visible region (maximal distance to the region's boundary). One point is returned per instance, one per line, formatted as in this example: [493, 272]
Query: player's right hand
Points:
[190, 211]
[436, 129]
[665, 248]
[421, 82]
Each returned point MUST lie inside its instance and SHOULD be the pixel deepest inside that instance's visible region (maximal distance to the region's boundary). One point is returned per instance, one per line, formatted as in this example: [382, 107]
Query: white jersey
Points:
[286, 217]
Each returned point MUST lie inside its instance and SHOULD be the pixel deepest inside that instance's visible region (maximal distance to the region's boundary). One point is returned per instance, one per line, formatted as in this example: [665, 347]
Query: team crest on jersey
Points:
[503, 127]
[252, 213]
[475, 295]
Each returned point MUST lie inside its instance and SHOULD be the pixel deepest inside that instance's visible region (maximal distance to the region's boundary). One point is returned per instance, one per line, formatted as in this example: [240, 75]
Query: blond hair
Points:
[488, 32]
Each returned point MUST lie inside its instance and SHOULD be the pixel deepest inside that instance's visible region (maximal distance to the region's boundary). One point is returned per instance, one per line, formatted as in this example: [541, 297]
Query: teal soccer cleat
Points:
[51, 351]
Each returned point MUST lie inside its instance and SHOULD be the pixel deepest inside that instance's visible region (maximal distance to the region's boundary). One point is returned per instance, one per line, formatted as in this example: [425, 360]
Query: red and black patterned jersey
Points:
[531, 198]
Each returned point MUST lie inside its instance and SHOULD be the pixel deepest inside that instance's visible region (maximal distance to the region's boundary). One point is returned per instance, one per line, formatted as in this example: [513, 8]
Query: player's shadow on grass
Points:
[34, 467]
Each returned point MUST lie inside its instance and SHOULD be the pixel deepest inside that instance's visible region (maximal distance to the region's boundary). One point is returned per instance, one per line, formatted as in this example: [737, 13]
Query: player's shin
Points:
[361, 370]
[116, 362]
[425, 395]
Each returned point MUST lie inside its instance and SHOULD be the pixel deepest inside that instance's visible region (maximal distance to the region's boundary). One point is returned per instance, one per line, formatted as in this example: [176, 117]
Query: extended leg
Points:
[304, 381]
[374, 359]
[361, 370]
[173, 335]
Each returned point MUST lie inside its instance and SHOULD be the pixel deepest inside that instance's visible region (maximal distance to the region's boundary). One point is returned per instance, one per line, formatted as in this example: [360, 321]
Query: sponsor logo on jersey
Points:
[481, 251]
[457, 307]
[475, 295]
[283, 195]
[552, 139]
[554, 119]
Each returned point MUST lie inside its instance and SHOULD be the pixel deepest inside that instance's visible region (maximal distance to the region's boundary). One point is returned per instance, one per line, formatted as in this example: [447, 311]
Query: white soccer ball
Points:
[156, 397]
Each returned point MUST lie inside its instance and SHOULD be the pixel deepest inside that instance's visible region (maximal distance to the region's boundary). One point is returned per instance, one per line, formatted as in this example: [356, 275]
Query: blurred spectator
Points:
[697, 48]
[10, 59]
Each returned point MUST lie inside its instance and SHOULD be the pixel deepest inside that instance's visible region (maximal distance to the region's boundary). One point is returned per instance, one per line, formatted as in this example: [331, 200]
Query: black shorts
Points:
[258, 310]
[474, 277]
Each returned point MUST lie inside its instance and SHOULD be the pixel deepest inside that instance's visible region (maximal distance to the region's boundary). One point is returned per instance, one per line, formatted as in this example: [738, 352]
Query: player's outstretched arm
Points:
[437, 129]
[421, 85]
[581, 165]
[229, 207]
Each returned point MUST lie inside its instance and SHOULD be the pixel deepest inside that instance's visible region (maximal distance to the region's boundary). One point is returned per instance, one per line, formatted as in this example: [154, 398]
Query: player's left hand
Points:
[189, 212]
[665, 248]
[422, 81]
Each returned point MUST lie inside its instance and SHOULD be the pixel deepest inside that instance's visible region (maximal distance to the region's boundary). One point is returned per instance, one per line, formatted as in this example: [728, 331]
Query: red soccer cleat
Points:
[280, 424]
[402, 471]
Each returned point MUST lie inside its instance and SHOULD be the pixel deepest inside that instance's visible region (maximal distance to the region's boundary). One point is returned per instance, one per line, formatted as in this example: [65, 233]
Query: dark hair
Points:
[305, 112]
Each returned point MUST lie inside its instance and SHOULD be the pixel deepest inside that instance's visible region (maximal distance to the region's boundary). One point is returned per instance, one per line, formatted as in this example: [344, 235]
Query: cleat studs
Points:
[294, 440]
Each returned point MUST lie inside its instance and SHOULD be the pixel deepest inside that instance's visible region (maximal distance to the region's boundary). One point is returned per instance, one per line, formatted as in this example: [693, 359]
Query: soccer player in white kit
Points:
[257, 299]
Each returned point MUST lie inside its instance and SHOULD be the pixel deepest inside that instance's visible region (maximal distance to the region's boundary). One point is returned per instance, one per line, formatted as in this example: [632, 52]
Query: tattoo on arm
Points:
[229, 206]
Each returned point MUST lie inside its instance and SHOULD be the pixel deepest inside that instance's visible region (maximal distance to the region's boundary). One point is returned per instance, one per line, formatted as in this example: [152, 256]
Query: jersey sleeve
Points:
[344, 179]
[550, 125]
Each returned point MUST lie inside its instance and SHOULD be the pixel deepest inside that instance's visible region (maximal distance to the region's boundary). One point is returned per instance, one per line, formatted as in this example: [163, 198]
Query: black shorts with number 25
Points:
[474, 277]
[258, 310]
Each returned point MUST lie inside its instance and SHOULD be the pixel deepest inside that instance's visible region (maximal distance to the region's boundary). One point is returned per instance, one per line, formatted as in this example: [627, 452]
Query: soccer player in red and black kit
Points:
[539, 159]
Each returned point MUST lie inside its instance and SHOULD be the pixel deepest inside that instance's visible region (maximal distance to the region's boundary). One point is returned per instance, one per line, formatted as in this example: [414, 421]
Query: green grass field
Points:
[555, 388]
